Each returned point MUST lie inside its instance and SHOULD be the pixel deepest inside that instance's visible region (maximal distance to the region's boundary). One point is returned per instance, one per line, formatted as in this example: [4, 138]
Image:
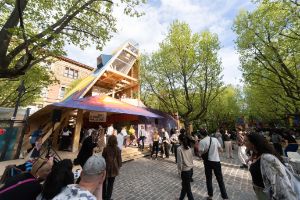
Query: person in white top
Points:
[165, 142]
[142, 136]
[110, 130]
[120, 140]
[212, 163]
[125, 135]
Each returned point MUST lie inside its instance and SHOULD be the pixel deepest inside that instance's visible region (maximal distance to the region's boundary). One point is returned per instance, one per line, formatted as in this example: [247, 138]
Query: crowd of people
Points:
[100, 160]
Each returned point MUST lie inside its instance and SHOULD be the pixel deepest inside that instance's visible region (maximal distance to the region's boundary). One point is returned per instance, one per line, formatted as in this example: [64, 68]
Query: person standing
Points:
[36, 150]
[132, 137]
[87, 149]
[142, 136]
[276, 140]
[185, 166]
[65, 138]
[271, 179]
[219, 137]
[241, 149]
[34, 136]
[210, 146]
[120, 140]
[112, 155]
[228, 144]
[292, 144]
[155, 144]
[110, 130]
[165, 142]
[175, 143]
[125, 135]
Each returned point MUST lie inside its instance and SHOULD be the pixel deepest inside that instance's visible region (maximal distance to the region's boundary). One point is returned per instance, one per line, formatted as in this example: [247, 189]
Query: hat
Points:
[94, 165]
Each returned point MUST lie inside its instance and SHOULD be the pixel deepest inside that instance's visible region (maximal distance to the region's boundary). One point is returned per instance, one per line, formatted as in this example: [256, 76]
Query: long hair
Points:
[112, 143]
[184, 140]
[60, 176]
[262, 146]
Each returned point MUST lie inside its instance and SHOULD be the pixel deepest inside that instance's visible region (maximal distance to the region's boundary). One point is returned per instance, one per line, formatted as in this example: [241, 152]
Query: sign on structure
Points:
[97, 117]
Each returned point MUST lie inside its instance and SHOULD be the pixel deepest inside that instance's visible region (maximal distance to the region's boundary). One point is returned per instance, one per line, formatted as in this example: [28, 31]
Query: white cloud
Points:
[230, 63]
[150, 29]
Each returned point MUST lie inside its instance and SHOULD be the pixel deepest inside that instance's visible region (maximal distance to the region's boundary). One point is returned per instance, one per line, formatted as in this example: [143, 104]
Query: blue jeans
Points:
[186, 177]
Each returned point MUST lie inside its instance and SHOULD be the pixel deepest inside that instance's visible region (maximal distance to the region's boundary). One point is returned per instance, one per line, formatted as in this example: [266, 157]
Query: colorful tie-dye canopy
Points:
[104, 103]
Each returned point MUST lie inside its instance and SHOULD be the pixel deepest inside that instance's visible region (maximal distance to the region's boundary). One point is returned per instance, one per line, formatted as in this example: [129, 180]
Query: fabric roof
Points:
[105, 103]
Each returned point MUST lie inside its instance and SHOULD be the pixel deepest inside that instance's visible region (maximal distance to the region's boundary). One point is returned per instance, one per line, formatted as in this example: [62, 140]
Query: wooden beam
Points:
[79, 121]
[122, 75]
[124, 81]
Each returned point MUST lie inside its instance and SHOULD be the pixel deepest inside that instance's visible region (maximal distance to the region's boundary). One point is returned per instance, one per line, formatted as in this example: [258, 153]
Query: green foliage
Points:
[35, 80]
[225, 109]
[50, 25]
[269, 46]
[184, 74]
[72, 85]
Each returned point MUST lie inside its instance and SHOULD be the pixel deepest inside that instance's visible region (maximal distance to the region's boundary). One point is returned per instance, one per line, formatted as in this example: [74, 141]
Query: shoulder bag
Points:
[204, 156]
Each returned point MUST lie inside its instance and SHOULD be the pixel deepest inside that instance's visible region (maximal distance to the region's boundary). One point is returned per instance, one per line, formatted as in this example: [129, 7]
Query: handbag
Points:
[204, 156]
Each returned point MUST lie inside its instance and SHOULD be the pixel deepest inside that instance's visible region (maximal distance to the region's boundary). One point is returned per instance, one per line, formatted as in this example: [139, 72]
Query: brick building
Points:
[66, 71]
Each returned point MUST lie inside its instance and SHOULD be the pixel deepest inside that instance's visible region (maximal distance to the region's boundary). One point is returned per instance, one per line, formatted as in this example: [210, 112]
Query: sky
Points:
[149, 30]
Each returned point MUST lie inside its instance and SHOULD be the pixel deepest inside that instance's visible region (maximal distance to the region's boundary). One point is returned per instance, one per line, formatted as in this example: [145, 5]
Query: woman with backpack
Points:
[271, 179]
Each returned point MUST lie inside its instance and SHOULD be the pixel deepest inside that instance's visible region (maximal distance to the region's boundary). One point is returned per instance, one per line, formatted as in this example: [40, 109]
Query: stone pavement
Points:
[147, 179]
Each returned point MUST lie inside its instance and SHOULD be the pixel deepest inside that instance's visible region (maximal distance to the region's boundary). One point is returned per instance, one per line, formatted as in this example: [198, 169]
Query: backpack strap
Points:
[17, 184]
[209, 145]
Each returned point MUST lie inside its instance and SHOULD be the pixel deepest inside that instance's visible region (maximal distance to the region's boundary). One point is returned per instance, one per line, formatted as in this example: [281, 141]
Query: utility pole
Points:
[21, 89]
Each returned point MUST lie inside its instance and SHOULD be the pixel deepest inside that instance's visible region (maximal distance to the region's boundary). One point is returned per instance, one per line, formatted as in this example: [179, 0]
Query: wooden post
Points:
[113, 92]
[78, 126]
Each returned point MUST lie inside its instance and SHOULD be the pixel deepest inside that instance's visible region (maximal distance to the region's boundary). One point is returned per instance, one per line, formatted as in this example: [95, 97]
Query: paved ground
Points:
[147, 179]
[157, 180]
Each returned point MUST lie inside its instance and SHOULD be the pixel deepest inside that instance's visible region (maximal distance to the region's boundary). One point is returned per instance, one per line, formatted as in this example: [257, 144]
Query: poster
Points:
[97, 116]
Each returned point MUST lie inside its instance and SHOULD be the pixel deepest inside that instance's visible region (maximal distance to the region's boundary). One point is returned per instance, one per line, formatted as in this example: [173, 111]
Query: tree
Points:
[35, 80]
[269, 46]
[33, 30]
[184, 74]
[225, 109]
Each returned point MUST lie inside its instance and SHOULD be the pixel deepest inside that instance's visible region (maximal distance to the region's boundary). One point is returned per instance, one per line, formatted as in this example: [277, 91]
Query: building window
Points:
[66, 73]
[62, 92]
[71, 73]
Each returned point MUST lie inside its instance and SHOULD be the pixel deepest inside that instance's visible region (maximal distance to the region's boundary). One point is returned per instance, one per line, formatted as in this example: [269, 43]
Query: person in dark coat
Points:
[113, 159]
[87, 149]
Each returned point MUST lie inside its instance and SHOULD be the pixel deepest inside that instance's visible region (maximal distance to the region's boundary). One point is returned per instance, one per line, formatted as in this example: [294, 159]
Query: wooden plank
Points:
[122, 75]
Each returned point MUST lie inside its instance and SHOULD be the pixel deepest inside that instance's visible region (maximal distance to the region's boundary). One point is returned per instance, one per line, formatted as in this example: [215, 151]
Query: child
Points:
[36, 151]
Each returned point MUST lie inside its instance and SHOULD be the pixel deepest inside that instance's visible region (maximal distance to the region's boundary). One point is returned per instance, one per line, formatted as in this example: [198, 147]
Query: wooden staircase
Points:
[132, 153]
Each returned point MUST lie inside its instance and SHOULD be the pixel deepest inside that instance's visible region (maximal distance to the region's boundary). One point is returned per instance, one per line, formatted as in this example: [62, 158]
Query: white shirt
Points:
[74, 192]
[110, 130]
[120, 139]
[124, 132]
[143, 132]
[213, 154]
